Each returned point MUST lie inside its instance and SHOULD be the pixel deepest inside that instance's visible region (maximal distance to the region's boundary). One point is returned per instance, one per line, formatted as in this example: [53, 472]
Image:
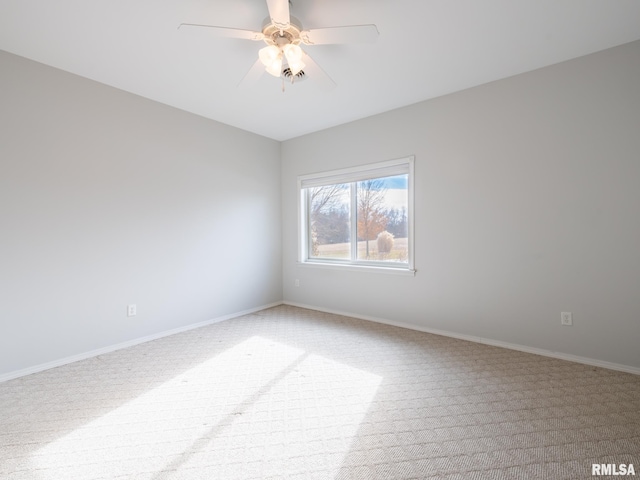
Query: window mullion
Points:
[307, 215]
[354, 222]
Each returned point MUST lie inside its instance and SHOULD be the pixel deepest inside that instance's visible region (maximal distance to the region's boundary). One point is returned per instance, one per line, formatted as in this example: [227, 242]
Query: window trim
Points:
[348, 175]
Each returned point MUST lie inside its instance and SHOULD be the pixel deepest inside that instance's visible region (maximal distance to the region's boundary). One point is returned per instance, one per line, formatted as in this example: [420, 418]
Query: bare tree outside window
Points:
[329, 220]
[372, 213]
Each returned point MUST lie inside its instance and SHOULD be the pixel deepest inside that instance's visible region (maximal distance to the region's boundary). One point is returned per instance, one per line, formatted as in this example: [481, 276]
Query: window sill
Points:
[359, 268]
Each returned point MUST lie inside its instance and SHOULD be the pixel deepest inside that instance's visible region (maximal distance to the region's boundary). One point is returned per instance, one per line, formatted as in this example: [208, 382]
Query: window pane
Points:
[382, 219]
[329, 221]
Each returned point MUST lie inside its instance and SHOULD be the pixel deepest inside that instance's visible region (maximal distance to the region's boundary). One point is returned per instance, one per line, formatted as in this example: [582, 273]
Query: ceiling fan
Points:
[283, 34]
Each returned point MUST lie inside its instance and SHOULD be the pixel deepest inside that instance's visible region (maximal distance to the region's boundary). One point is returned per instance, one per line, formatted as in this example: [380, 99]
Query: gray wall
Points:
[108, 199]
[527, 204]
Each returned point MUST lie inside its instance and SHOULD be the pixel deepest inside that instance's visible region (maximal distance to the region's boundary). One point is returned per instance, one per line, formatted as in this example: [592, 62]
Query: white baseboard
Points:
[410, 326]
[129, 343]
[487, 341]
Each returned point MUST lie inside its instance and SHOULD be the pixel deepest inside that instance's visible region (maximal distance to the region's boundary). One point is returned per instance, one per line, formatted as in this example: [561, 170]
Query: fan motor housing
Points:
[274, 35]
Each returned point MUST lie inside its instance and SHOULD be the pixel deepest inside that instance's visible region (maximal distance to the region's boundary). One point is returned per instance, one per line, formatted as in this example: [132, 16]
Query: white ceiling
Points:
[426, 48]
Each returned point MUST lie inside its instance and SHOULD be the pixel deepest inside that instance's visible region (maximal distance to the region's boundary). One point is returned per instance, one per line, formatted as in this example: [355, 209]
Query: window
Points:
[361, 216]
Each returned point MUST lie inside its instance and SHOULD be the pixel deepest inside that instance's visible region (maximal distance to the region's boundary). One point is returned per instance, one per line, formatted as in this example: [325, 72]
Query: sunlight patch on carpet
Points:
[258, 408]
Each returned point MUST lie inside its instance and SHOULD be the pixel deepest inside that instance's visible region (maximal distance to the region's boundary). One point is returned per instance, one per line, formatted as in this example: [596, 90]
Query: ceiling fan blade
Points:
[347, 34]
[317, 74]
[226, 32]
[253, 75]
[279, 13]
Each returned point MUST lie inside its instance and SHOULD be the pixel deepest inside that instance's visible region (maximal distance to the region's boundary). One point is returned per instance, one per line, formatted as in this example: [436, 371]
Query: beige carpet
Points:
[289, 393]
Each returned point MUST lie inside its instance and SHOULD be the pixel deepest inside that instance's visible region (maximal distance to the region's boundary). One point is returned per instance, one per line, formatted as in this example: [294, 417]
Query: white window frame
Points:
[388, 168]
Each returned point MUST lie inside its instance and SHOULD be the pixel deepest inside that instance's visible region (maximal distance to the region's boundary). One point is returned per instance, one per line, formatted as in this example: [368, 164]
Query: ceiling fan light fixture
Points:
[292, 52]
[271, 58]
[283, 34]
[294, 57]
[296, 67]
[275, 68]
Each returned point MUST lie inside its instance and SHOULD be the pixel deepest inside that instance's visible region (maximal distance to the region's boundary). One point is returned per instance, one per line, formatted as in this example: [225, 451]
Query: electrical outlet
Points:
[132, 310]
[297, 282]
[566, 319]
